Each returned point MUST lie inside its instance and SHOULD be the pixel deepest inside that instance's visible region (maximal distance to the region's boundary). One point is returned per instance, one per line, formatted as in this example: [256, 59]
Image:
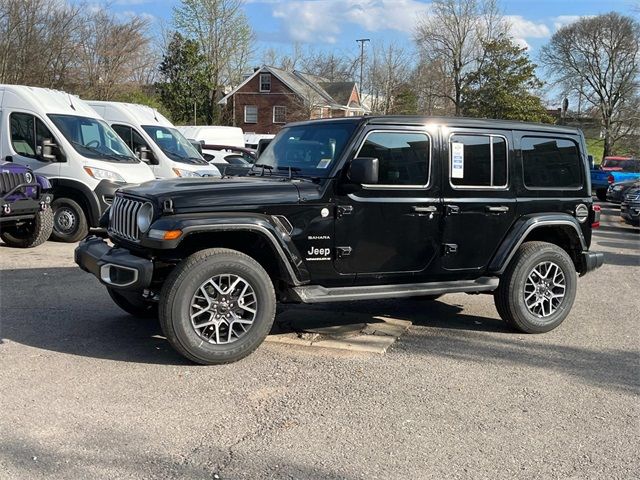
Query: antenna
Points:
[155, 117]
[70, 101]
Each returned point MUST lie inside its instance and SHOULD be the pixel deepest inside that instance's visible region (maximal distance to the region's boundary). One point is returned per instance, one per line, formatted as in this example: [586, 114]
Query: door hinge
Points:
[343, 251]
[450, 248]
[451, 209]
[345, 210]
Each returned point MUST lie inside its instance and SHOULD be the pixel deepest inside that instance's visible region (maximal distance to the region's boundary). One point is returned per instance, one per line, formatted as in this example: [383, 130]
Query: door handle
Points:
[428, 209]
[452, 209]
[500, 209]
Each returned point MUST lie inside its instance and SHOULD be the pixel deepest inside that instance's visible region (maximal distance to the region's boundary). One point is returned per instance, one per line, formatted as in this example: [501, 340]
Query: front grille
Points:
[123, 218]
[10, 180]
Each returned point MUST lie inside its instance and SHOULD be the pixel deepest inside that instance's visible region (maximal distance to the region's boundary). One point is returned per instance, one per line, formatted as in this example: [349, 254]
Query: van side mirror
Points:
[50, 152]
[364, 171]
[146, 155]
[196, 145]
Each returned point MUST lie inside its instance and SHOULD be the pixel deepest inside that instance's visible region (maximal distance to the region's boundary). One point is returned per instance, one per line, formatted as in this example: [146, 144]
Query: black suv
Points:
[356, 209]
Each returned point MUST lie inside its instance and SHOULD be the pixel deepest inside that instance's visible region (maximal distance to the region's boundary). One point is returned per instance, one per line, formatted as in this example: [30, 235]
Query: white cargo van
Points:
[62, 138]
[214, 135]
[154, 139]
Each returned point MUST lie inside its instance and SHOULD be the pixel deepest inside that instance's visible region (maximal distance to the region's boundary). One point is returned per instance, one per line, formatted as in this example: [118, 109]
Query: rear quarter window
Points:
[550, 162]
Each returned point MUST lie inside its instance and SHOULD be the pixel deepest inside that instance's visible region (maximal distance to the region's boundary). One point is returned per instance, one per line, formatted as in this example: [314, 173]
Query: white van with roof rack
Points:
[63, 139]
[155, 140]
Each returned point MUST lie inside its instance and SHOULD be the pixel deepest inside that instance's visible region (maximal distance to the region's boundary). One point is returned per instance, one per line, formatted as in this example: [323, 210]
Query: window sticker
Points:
[324, 163]
[457, 160]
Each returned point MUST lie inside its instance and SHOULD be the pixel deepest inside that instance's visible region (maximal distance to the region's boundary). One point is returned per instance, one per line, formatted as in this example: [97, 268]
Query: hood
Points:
[201, 194]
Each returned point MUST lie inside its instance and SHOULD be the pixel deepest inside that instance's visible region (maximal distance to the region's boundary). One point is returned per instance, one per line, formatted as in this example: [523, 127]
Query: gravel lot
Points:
[89, 392]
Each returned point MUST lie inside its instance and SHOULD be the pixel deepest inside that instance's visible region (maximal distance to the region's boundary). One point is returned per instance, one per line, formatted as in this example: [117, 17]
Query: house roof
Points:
[333, 94]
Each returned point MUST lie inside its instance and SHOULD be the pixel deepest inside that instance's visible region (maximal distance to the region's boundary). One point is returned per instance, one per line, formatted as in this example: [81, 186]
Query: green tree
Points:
[184, 84]
[405, 101]
[501, 85]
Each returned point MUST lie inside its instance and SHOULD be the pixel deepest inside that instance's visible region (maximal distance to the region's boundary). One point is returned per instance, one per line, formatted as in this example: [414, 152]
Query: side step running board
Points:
[319, 294]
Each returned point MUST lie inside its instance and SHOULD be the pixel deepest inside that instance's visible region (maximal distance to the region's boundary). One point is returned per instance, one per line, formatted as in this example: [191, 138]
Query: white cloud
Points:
[523, 28]
[563, 20]
[324, 20]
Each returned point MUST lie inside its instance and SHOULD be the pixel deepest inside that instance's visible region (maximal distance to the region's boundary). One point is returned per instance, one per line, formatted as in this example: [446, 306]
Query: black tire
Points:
[32, 233]
[601, 193]
[510, 296]
[181, 285]
[428, 298]
[133, 304]
[69, 221]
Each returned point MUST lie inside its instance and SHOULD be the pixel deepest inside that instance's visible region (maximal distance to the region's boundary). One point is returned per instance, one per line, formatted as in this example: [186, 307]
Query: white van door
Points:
[24, 143]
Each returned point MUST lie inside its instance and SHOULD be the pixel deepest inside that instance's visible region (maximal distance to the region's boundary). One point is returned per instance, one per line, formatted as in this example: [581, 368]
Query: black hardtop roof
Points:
[450, 121]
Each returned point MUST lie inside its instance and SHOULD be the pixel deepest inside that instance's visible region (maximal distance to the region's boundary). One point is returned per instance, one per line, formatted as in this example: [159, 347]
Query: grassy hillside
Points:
[595, 146]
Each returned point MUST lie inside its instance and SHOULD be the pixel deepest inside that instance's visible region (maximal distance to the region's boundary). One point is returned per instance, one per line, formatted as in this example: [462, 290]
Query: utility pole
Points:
[362, 41]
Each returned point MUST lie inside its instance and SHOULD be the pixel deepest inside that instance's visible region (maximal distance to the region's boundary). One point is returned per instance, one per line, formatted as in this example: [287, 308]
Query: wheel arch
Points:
[78, 191]
[561, 230]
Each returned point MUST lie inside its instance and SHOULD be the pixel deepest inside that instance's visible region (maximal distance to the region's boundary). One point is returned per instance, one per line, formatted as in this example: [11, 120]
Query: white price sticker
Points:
[457, 160]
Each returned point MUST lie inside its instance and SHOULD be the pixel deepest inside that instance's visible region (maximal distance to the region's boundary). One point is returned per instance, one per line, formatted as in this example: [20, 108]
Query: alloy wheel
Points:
[544, 289]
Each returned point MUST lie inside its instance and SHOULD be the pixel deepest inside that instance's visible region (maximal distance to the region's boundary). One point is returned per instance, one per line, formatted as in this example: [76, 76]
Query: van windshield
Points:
[93, 138]
[309, 150]
[174, 145]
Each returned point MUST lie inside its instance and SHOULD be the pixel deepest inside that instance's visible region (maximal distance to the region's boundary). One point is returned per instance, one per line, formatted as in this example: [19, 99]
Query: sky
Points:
[336, 24]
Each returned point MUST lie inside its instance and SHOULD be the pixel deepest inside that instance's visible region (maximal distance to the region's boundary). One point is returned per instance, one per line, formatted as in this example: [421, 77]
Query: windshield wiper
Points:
[113, 156]
[264, 167]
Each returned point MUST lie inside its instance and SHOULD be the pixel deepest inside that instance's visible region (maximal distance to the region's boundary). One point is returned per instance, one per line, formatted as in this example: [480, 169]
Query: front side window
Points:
[93, 138]
[131, 137]
[250, 114]
[173, 144]
[551, 163]
[265, 82]
[403, 157]
[279, 114]
[27, 134]
[477, 161]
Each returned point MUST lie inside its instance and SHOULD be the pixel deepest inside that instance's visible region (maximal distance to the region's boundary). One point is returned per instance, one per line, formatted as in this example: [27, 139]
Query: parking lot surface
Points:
[90, 392]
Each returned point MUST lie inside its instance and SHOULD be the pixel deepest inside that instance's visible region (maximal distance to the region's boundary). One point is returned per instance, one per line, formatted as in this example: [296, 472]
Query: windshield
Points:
[93, 138]
[174, 144]
[310, 150]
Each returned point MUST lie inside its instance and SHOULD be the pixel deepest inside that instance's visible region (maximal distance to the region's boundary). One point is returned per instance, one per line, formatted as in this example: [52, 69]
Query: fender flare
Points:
[522, 228]
[269, 227]
[93, 213]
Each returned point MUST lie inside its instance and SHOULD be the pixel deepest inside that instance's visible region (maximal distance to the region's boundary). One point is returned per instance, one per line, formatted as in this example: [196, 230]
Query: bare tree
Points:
[597, 59]
[389, 68]
[452, 33]
[225, 37]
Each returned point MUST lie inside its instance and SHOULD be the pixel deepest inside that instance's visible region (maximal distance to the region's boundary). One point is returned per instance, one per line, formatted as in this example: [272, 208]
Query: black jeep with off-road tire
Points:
[356, 209]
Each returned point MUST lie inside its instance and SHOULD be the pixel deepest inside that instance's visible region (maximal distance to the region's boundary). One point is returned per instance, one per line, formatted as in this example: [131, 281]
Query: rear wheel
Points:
[538, 289]
[133, 303]
[217, 306]
[32, 233]
[69, 221]
[601, 193]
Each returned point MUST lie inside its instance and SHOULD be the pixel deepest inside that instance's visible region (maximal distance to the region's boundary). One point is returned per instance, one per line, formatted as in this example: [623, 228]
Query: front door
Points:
[391, 227]
[479, 205]
[26, 135]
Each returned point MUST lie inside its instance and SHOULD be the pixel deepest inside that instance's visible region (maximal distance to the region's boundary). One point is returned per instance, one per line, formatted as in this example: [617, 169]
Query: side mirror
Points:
[146, 155]
[364, 171]
[50, 152]
[197, 146]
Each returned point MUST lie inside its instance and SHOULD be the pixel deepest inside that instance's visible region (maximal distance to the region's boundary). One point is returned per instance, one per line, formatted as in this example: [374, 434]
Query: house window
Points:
[265, 82]
[279, 114]
[250, 114]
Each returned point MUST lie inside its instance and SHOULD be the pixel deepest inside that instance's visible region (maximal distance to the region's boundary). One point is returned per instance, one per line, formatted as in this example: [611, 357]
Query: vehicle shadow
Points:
[622, 245]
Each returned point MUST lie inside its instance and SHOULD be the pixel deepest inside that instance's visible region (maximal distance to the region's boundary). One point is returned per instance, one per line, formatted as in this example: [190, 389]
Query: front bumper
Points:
[114, 266]
[589, 261]
[630, 212]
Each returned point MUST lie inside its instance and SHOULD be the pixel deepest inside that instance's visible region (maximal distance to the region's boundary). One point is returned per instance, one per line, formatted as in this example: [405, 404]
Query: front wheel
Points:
[32, 233]
[217, 306]
[538, 289]
[69, 221]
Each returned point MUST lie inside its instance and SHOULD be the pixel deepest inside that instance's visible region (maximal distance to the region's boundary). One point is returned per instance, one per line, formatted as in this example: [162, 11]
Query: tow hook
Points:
[43, 206]
[6, 208]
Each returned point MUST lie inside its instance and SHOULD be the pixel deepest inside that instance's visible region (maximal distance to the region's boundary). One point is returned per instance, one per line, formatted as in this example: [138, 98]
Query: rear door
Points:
[478, 200]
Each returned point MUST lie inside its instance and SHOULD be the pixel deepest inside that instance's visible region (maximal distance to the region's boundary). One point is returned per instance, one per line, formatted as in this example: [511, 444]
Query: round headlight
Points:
[145, 217]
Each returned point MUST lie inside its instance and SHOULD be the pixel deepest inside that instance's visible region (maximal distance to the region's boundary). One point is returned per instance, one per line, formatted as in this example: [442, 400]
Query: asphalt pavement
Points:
[87, 391]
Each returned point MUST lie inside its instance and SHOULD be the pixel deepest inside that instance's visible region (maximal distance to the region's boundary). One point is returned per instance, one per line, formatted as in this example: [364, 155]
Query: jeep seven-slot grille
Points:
[123, 221]
[10, 180]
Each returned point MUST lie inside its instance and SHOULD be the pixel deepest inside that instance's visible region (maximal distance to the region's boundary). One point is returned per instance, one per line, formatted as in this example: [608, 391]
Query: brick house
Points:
[271, 97]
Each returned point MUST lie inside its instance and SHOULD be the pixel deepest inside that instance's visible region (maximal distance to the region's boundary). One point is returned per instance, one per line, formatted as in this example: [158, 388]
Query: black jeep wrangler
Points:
[356, 209]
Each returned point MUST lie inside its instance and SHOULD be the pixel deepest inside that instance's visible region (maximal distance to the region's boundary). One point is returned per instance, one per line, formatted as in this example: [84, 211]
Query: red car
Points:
[613, 164]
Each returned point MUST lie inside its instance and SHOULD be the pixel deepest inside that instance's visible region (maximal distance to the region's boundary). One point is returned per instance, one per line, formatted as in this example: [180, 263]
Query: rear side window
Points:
[551, 163]
[478, 161]
[403, 157]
